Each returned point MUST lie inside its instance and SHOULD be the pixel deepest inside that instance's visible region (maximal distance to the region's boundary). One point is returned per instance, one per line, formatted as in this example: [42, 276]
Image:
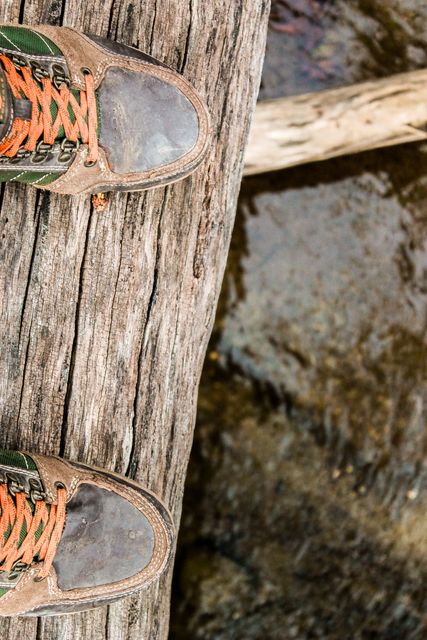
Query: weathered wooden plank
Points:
[316, 126]
[105, 318]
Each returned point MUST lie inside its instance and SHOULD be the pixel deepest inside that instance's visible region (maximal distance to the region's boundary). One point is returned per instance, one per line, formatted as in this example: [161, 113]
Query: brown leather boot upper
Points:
[117, 538]
[84, 114]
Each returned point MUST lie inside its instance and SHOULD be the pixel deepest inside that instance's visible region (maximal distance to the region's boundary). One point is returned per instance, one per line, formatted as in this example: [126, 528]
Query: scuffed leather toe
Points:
[117, 539]
[147, 122]
[106, 539]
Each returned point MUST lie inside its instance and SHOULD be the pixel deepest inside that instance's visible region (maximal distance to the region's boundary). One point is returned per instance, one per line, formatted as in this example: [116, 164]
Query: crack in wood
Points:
[24, 376]
[188, 37]
[113, 306]
[70, 379]
[32, 259]
[132, 463]
[153, 24]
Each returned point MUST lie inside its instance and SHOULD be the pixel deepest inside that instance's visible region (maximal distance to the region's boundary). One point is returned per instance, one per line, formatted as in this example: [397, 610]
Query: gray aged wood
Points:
[105, 318]
[316, 126]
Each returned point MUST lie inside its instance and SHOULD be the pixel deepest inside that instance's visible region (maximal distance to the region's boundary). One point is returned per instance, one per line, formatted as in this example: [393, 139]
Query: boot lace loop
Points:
[78, 120]
[27, 534]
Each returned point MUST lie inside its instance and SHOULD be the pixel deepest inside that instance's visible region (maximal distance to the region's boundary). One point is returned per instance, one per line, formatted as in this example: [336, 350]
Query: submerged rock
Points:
[277, 544]
[328, 304]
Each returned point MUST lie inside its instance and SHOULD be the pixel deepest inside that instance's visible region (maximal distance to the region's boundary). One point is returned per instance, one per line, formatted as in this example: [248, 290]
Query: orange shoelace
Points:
[13, 517]
[23, 85]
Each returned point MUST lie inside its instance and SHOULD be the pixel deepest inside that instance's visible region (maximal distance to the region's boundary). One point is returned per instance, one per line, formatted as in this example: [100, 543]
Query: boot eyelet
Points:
[41, 152]
[68, 150]
[60, 76]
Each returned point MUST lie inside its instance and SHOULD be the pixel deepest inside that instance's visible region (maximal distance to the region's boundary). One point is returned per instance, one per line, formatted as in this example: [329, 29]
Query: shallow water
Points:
[306, 497]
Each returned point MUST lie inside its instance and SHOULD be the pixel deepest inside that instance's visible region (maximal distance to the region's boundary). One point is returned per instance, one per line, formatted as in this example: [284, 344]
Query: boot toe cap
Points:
[147, 122]
[107, 539]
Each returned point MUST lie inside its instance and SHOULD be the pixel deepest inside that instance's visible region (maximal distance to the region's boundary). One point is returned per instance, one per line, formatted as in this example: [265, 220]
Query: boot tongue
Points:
[6, 104]
[2, 103]
[11, 107]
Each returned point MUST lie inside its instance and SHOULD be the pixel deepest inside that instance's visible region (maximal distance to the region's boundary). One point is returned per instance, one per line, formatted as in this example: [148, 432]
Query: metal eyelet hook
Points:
[14, 485]
[68, 150]
[19, 61]
[41, 153]
[21, 154]
[60, 76]
[17, 569]
[38, 72]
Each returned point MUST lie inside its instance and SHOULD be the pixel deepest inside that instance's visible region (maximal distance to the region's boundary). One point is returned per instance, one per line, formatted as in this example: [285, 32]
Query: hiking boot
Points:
[83, 114]
[73, 537]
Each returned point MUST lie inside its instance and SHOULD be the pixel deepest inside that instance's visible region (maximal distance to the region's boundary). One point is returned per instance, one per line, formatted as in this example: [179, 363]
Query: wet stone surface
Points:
[305, 511]
[328, 308]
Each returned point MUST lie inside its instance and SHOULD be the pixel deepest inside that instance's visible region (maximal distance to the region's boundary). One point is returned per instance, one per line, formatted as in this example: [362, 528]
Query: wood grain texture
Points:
[291, 131]
[105, 318]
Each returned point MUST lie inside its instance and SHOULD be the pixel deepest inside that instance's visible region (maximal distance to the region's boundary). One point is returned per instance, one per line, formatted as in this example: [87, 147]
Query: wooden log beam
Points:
[317, 126]
[105, 318]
